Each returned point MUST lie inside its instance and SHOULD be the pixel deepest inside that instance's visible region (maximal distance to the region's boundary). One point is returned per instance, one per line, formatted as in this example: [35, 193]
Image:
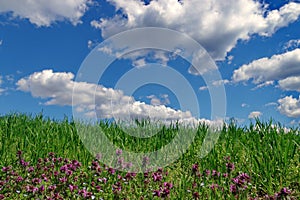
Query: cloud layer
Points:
[57, 89]
[202, 20]
[44, 12]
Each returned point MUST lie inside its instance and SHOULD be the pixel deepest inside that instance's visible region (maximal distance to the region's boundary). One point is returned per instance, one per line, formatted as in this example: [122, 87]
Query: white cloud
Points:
[229, 59]
[244, 105]
[220, 82]
[90, 44]
[283, 68]
[289, 106]
[202, 20]
[214, 83]
[202, 88]
[1, 42]
[265, 84]
[162, 100]
[139, 63]
[271, 104]
[1, 89]
[254, 114]
[265, 69]
[44, 12]
[291, 83]
[292, 44]
[57, 89]
[142, 57]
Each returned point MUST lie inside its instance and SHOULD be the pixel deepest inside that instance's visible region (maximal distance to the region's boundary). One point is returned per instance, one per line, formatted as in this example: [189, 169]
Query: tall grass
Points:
[264, 150]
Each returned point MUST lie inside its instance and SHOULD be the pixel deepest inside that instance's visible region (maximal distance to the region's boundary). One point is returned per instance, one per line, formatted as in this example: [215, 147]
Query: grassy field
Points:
[42, 158]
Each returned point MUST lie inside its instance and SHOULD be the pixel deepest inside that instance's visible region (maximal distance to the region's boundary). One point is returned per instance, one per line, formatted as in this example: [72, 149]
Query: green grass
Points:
[263, 150]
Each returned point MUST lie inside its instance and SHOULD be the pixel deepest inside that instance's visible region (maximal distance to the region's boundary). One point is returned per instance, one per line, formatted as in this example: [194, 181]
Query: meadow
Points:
[43, 158]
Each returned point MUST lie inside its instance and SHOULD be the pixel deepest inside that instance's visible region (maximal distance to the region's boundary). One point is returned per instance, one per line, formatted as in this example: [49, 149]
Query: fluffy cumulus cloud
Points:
[291, 83]
[202, 20]
[289, 106]
[277, 67]
[44, 12]
[161, 100]
[57, 89]
[254, 114]
[282, 68]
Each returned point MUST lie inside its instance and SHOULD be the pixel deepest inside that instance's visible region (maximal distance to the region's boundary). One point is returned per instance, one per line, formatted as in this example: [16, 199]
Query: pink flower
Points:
[166, 192]
[36, 181]
[63, 179]
[42, 188]
[52, 187]
[71, 187]
[56, 173]
[214, 186]
[168, 185]
[19, 153]
[195, 168]
[6, 169]
[207, 172]
[230, 167]
[19, 179]
[157, 193]
[98, 188]
[23, 163]
[35, 189]
[30, 169]
[196, 195]
[63, 168]
[111, 170]
[233, 189]
[51, 154]
[119, 152]
[69, 172]
[156, 176]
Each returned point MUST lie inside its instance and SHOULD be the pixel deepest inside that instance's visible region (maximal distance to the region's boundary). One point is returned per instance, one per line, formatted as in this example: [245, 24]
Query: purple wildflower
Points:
[119, 152]
[233, 189]
[213, 186]
[156, 176]
[195, 168]
[111, 170]
[19, 179]
[168, 185]
[196, 195]
[6, 169]
[30, 169]
[207, 172]
[63, 179]
[36, 181]
[42, 188]
[230, 167]
[157, 193]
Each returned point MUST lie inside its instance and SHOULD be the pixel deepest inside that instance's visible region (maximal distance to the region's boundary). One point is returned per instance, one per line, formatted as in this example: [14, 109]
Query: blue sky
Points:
[255, 45]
